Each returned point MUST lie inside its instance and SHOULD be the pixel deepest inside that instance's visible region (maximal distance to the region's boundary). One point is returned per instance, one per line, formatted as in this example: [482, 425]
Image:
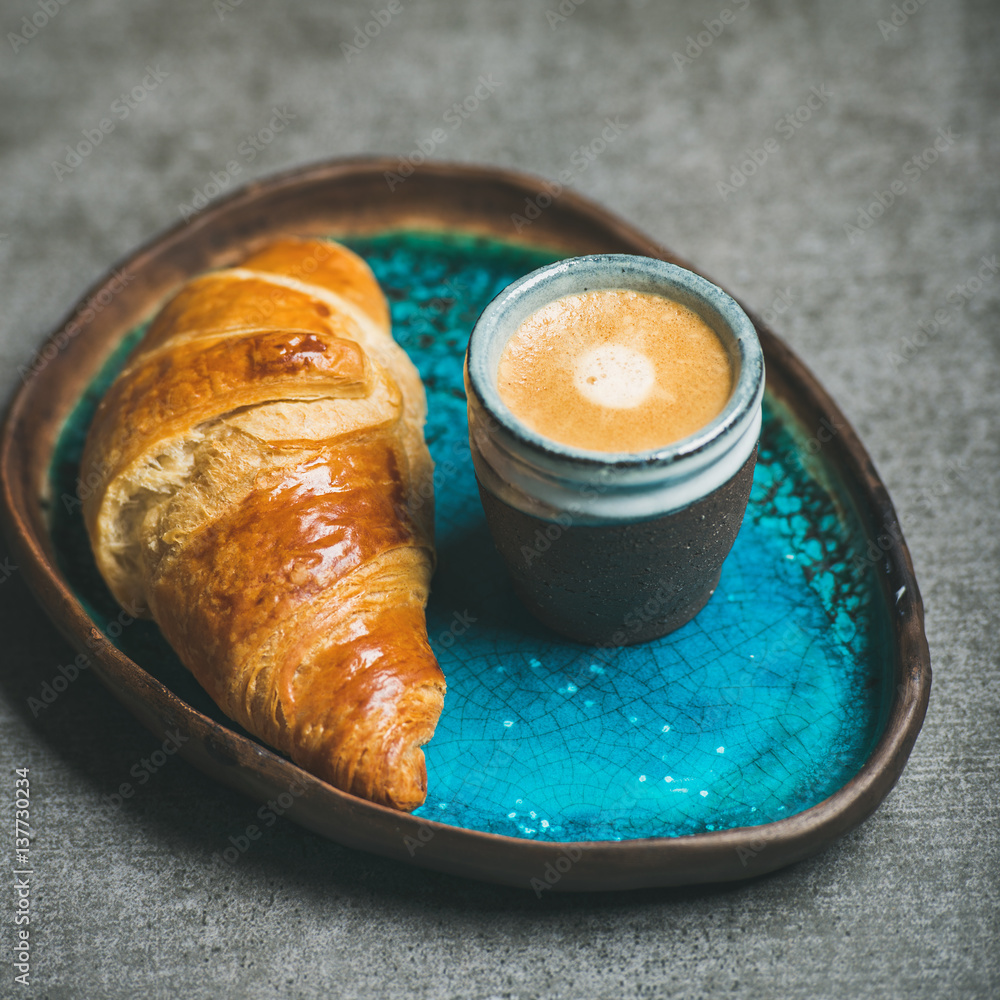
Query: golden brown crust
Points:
[259, 454]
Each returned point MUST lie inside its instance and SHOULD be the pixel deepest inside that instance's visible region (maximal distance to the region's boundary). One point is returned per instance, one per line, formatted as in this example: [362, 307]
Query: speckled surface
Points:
[899, 319]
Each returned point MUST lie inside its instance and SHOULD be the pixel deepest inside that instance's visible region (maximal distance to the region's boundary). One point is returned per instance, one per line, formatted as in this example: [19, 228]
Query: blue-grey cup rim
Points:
[687, 287]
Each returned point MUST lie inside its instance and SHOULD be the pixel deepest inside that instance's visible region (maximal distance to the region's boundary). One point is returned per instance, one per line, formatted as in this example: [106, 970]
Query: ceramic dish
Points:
[752, 737]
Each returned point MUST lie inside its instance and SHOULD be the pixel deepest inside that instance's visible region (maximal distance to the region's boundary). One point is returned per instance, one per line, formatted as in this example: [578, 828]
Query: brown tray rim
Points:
[657, 861]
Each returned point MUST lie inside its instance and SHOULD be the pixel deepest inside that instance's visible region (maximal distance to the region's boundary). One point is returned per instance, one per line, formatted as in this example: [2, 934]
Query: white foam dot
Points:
[614, 376]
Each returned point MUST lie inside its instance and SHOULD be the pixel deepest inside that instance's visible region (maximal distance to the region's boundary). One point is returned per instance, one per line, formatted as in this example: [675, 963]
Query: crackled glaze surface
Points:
[765, 704]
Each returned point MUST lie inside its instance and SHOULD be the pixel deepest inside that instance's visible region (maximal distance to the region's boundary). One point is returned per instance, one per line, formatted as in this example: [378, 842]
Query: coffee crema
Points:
[615, 371]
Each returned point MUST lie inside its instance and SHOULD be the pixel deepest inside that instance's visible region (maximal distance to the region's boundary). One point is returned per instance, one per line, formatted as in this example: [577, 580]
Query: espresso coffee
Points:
[615, 370]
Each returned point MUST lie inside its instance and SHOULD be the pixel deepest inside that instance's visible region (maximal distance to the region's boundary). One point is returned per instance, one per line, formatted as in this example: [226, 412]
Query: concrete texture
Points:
[128, 902]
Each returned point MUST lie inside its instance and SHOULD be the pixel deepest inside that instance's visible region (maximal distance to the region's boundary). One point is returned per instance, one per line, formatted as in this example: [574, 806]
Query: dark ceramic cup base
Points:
[636, 630]
[620, 584]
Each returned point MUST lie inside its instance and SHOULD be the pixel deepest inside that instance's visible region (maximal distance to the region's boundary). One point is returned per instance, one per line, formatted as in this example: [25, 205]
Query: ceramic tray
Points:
[770, 725]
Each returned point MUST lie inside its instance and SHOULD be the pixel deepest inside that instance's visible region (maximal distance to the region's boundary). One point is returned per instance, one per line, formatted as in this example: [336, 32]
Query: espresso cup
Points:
[613, 548]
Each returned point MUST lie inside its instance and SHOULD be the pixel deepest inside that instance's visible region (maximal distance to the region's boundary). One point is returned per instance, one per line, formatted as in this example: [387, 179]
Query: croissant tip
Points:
[408, 789]
[401, 782]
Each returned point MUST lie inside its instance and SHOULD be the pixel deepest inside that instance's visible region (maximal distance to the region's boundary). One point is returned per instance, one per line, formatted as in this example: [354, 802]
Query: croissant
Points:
[264, 497]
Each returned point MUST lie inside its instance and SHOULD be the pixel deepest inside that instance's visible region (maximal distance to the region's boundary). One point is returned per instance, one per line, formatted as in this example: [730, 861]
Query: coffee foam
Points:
[615, 371]
[614, 376]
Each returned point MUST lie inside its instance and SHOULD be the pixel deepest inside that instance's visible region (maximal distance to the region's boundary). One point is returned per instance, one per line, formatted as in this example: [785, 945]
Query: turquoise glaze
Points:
[765, 704]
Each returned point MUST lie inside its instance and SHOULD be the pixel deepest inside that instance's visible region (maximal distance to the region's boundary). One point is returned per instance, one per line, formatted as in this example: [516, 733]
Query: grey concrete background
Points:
[131, 904]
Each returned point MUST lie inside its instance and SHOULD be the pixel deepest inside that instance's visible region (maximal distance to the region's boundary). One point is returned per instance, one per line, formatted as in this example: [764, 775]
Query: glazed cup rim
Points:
[508, 309]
